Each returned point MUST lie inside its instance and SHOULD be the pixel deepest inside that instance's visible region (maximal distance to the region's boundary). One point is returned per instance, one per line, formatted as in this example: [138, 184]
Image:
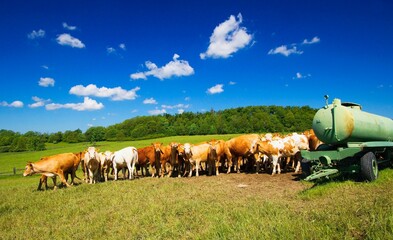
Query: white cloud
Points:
[312, 41]
[68, 27]
[173, 68]
[16, 104]
[284, 50]
[39, 102]
[232, 83]
[180, 105]
[45, 67]
[122, 46]
[46, 82]
[87, 105]
[116, 94]
[36, 34]
[66, 39]
[110, 50]
[149, 101]
[157, 111]
[300, 76]
[216, 89]
[227, 38]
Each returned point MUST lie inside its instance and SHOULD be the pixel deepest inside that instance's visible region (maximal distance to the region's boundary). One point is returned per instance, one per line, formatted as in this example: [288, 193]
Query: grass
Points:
[195, 208]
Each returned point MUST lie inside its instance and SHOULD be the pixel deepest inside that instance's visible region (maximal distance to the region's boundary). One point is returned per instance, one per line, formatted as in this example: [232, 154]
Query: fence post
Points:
[14, 170]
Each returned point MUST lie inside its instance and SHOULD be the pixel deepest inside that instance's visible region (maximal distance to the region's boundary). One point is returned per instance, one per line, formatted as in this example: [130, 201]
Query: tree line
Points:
[252, 119]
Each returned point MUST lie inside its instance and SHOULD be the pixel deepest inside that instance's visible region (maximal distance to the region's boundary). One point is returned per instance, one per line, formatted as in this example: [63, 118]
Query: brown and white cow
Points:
[56, 165]
[272, 149]
[92, 165]
[196, 154]
[105, 164]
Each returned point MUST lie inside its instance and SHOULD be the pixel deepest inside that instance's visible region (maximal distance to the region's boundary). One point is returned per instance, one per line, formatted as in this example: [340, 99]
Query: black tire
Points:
[369, 166]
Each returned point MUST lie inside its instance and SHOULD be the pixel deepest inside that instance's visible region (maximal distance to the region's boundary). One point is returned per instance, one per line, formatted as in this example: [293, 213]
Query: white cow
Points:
[126, 157]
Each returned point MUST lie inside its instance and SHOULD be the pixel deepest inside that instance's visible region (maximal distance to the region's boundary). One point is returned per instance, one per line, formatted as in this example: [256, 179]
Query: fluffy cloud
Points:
[46, 82]
[312, 41]
[157, 111]
[39, 102]
[122, 46]
[216, 89]
[227, 38]
[87, 105]
[16, 104]
[66, 39]
[116, 94]
[173, 68]
[36, 34]
[149, 101]
[68, 27]
[284, 50]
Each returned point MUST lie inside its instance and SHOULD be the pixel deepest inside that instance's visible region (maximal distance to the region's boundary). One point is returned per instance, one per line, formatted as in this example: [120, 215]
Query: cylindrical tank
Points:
[339, 123]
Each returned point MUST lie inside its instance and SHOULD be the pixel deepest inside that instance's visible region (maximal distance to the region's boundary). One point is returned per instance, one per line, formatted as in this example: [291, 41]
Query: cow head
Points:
[157, 147]
[91, 153]
[187, 151]
[174, 152]
[108, 156]
[29, 169]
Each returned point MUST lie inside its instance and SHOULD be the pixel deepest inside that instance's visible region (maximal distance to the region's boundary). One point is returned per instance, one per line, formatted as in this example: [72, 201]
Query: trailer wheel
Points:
[369, 166]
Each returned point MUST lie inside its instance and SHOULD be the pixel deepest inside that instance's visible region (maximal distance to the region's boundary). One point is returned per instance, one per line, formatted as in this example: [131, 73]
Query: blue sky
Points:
[66, 65]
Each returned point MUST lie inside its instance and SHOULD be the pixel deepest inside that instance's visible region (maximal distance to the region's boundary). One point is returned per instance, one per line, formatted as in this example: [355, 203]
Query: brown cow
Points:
[240, 147]
[163, 156]
[52, 166]
[145, 155]
[313, 141]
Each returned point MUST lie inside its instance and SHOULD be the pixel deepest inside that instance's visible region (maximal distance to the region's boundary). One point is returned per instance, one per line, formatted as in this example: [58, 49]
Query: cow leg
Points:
[217, 166]
[197, 168]
[63, 180]
[43, 179]
[124, 173]
[275, 164]
[115, 171]
[229, 165]
[54, 183]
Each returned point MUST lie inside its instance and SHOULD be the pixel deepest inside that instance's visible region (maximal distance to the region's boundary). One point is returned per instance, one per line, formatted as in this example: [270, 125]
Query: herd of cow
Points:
[272, 151]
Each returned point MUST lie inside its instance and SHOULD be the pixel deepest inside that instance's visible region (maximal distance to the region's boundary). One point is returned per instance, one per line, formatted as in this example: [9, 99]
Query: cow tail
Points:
[136, 154]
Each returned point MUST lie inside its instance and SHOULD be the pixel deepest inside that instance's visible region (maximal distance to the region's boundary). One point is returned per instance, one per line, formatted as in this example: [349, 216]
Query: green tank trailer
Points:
[354, 141]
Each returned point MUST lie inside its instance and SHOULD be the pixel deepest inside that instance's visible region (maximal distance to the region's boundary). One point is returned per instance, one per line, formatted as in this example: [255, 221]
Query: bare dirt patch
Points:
[263, 186]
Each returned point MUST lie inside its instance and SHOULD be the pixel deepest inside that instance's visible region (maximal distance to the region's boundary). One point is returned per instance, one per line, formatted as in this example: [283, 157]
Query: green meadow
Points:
[228, 206]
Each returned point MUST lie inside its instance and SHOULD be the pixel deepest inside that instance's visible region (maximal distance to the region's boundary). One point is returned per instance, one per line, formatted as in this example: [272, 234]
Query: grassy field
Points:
[234, 206]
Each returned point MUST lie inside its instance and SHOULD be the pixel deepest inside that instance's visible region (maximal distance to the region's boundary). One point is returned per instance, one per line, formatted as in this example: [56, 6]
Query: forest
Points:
[252, 119]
